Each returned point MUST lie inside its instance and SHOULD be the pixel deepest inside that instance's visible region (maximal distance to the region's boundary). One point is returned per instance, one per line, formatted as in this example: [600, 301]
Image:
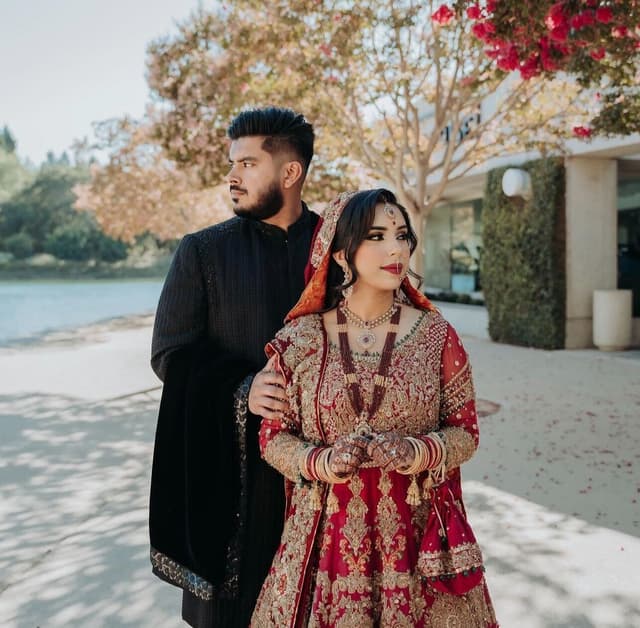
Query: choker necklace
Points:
[380, 379]
[367, 338]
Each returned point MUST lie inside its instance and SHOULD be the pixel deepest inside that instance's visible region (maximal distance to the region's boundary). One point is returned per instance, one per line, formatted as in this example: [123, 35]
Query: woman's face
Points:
[382, 259]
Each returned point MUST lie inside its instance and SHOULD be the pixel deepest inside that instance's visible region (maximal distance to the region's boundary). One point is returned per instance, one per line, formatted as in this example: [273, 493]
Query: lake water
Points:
[32, 307]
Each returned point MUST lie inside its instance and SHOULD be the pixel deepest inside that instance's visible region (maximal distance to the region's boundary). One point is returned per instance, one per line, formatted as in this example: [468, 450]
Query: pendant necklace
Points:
[366, 339]
[380, 379]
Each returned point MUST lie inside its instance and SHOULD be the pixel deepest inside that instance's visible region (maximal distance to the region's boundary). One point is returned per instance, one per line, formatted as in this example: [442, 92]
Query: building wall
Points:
[591, 252]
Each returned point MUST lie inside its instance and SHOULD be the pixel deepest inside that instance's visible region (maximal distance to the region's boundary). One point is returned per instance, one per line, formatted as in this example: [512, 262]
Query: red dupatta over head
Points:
[312, 298]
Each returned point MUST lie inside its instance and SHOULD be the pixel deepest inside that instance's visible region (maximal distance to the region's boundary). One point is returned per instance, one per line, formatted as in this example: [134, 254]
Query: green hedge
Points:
[522, 266]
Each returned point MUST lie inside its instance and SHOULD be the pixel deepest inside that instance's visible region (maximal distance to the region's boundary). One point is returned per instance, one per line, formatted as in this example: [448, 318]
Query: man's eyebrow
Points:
[247, 158]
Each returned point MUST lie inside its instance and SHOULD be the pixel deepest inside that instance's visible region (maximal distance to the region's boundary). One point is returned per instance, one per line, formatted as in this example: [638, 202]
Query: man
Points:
[217, 509]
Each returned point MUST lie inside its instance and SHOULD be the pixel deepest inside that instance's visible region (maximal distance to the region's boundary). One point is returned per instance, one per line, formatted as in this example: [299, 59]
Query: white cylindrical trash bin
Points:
[612, 319]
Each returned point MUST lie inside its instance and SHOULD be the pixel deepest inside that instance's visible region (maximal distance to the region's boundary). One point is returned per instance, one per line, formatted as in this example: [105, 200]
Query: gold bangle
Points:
[439, 471]
[419, 459]
[323, 465]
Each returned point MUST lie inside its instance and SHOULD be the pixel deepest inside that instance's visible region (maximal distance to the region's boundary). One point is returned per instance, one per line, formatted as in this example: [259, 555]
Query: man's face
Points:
[254, 179]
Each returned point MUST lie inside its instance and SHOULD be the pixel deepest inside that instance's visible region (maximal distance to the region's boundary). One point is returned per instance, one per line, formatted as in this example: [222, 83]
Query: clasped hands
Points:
[387, 450]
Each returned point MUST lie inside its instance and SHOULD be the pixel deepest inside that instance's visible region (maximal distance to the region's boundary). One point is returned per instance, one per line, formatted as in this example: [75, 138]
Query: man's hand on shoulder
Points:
[266, 395]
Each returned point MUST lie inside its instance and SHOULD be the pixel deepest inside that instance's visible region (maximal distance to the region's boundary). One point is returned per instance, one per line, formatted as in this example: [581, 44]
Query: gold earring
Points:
[347, 290]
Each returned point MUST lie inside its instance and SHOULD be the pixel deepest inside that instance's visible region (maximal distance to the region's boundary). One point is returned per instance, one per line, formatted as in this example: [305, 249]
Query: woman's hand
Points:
[347, 454]
[390, 451]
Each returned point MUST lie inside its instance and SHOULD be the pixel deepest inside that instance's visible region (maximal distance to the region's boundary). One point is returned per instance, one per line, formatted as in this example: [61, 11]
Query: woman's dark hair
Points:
[283, 130]
[352, 228]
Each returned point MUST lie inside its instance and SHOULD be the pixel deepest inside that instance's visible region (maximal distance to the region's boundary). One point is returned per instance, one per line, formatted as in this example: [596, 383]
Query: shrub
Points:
[70, 242]
[522, 267]
[108, 249]
[20, 245]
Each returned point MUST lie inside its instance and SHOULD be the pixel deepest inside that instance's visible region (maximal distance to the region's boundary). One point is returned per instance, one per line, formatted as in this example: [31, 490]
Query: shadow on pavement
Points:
[73, 531]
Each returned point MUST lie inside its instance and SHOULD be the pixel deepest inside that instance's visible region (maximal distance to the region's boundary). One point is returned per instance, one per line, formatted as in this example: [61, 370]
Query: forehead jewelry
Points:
[390, 212]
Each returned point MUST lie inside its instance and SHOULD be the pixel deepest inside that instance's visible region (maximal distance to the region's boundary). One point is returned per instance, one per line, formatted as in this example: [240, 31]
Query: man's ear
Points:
[292, 173]
[339, 258]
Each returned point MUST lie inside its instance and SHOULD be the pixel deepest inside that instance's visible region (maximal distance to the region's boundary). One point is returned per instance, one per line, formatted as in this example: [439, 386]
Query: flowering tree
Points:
[596, 41]
[400, 91]
[140, 190]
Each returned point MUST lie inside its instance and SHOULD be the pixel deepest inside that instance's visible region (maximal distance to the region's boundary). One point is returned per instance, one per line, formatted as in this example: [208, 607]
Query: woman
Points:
[382, 414]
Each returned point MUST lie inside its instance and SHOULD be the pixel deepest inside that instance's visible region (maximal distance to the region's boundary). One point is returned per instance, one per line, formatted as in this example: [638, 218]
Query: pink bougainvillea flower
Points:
[587, 18]
[582, 20]
[473, 12]
[443, 15]
[604, 15]
[479, 29]
[508, 63]
[582, 131]
[491, 5]
[489, 26]
[597, 53]
[530, 67]
[618, 32]
[555, 16]
[560, 33]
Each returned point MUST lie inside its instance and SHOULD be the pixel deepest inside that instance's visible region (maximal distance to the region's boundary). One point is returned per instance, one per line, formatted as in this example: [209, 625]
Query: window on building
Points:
[452, 245]
[629, 239]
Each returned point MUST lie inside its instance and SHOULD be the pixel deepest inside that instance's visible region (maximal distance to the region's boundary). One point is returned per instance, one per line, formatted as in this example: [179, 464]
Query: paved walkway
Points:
[552, 493]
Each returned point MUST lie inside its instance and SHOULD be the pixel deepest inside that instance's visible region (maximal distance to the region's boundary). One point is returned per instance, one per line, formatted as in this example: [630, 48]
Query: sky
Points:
[67, 63]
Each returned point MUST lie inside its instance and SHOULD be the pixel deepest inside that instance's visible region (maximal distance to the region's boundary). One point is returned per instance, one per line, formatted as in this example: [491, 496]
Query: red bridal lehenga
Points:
[364, 557]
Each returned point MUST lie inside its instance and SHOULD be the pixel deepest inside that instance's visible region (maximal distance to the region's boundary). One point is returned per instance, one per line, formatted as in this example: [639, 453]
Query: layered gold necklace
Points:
[366, 339]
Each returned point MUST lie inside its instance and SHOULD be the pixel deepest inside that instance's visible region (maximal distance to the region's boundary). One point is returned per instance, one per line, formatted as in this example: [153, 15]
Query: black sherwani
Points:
[226, 294]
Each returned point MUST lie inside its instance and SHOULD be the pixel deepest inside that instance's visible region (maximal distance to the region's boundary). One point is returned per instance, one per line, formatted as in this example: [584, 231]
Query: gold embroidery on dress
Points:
[356, 546]
[454, 560]
[460, 446]
[392, 542]
[461, 611]
[354, 591]
[457, 391]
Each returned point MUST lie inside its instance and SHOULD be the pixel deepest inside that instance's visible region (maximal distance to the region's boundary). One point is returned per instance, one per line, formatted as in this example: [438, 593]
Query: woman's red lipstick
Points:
[396, 269]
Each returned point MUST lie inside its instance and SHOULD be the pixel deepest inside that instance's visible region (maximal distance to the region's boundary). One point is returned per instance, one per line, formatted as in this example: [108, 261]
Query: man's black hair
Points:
[283, 130]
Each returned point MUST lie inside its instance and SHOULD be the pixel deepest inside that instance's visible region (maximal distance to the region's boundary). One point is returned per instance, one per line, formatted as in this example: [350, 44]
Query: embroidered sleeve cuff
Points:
[283, 452]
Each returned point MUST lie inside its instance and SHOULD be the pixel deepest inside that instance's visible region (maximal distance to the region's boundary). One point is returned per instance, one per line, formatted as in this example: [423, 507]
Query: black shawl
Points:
[197, 491]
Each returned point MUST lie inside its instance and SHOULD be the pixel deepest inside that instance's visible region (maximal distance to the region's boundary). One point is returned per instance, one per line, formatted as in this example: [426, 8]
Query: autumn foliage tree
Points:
[403, 92]
[141, 190]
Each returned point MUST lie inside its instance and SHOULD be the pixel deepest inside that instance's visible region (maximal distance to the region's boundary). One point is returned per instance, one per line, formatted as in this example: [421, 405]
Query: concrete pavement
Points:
[552, 494]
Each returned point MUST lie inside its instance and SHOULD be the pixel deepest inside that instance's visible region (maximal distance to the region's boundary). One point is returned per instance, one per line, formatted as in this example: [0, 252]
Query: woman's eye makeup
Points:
[379, 235]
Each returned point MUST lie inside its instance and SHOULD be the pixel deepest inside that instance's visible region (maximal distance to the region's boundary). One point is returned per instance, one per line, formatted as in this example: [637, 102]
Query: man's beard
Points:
[268, 204]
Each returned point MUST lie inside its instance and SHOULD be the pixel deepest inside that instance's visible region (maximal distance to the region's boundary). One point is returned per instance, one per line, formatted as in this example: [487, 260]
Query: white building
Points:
[602, 230]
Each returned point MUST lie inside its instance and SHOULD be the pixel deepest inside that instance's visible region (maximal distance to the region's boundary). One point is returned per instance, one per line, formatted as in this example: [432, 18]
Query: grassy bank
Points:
[23, 270]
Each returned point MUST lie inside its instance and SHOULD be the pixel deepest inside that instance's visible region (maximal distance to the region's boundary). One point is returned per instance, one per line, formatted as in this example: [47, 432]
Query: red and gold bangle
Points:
[307, 462]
